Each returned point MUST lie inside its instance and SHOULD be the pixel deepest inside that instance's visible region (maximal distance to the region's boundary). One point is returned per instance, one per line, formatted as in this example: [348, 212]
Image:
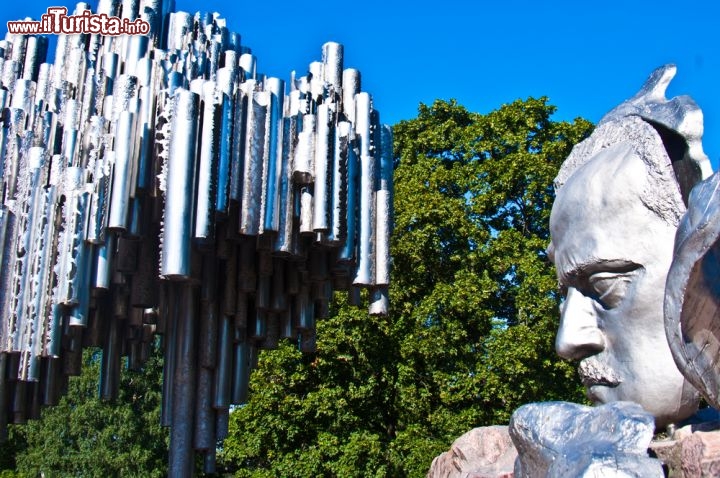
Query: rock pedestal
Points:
[484, 452]
[693, 452]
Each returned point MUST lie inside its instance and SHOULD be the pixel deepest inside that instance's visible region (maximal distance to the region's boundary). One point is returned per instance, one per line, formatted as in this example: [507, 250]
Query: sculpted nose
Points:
[578, 336]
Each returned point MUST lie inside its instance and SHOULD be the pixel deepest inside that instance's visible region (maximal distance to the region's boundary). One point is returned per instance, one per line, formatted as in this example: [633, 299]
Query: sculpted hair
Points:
[662, 193]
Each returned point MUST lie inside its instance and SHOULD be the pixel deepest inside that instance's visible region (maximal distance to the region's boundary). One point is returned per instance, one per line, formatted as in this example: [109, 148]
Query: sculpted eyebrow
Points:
[591, 267]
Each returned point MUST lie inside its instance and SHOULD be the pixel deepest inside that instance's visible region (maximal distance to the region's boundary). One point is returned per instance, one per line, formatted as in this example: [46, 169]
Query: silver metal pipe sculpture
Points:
[159, 184]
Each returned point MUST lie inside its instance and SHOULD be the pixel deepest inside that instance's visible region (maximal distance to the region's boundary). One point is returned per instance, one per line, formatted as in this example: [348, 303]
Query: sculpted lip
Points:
[592, 372]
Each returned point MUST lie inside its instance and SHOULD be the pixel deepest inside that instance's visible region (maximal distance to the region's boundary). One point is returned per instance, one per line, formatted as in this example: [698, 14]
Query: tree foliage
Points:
[84, 436]
[474, 306]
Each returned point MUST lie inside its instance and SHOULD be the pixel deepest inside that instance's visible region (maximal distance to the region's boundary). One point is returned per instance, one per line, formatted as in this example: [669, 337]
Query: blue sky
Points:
[585, 56]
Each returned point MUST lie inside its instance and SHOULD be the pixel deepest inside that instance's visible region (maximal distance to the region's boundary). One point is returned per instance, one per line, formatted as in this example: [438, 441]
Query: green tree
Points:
[474, 307]
[84, 436]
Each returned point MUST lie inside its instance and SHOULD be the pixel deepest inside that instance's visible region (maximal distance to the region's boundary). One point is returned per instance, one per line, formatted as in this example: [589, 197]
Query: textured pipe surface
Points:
[177, 220]
[159, 185]
[364, 275]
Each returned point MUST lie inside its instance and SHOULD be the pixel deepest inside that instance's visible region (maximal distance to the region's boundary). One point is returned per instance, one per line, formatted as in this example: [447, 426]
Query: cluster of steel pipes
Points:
[156, 184]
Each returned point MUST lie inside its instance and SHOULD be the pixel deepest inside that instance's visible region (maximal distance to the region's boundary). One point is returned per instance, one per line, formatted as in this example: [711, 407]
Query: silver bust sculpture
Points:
[620, 196]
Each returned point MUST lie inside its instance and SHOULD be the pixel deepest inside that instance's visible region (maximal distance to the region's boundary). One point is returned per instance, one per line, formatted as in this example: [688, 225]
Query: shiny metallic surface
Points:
[333, 66]
[384, 209]
[119, 214]
[177, 219]
[208, 163]
[252, 186]
[159, 185]
[305, 152]
[366, 213]
[272, 164]
[180, 462]
[322, 167]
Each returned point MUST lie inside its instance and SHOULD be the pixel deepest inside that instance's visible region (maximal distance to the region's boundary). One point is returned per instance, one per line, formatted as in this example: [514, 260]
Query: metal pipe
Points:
[243, 100]
[339, 199]
[208, 164]
[169, 293]
[269, 190]
[304, 154]
[119, 214]
[145, 132]
[351, 87]
[208, 315]
[384, 209]
[333, 65]
[366, 214]
[379, 301]
[322, 167]
[284, 242]
[180, 462]
[178, 216]
[273, 157]
[306, 211]
[226, 152]
[223, 371]
[247, 66]
[257, 122]
[110, 367]
[348, 252]
[204, 433]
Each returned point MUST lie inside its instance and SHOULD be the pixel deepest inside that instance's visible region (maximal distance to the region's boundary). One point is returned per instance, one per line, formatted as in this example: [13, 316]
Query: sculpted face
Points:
[612, 254]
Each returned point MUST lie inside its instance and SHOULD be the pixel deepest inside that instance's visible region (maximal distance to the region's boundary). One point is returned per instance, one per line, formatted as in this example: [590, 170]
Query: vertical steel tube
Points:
[204, 436]
[379, 301]
[283, 243]
[279, 296]
[384, 209]
[72, 251]
[339, 196]
[122, 177]
[247, 66]
[184, 381]
[208, 314]
[351, 87]
[145, 133]
[253, 163]
[323, 162]
[223, 371]
[35, 54]
[171, 309]
[4, 396]
[303, 164]
[103, 263]
[178, 216]
[333, 65]
[110, 367]
[243, 103]
[348, 251]
[208, 164]
[226, 154]
[241, 372]
[366, 214]
[306, 211]
[272, 172]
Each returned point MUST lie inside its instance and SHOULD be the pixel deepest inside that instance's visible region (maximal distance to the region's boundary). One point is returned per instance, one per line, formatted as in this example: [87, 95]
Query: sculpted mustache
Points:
[592, 372]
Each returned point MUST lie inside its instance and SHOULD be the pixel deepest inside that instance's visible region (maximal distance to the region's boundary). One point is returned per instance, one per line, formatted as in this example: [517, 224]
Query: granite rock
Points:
[484, 452]
[692, 452]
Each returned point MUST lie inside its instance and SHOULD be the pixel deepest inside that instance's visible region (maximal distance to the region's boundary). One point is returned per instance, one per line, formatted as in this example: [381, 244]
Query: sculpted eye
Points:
[609, 288]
